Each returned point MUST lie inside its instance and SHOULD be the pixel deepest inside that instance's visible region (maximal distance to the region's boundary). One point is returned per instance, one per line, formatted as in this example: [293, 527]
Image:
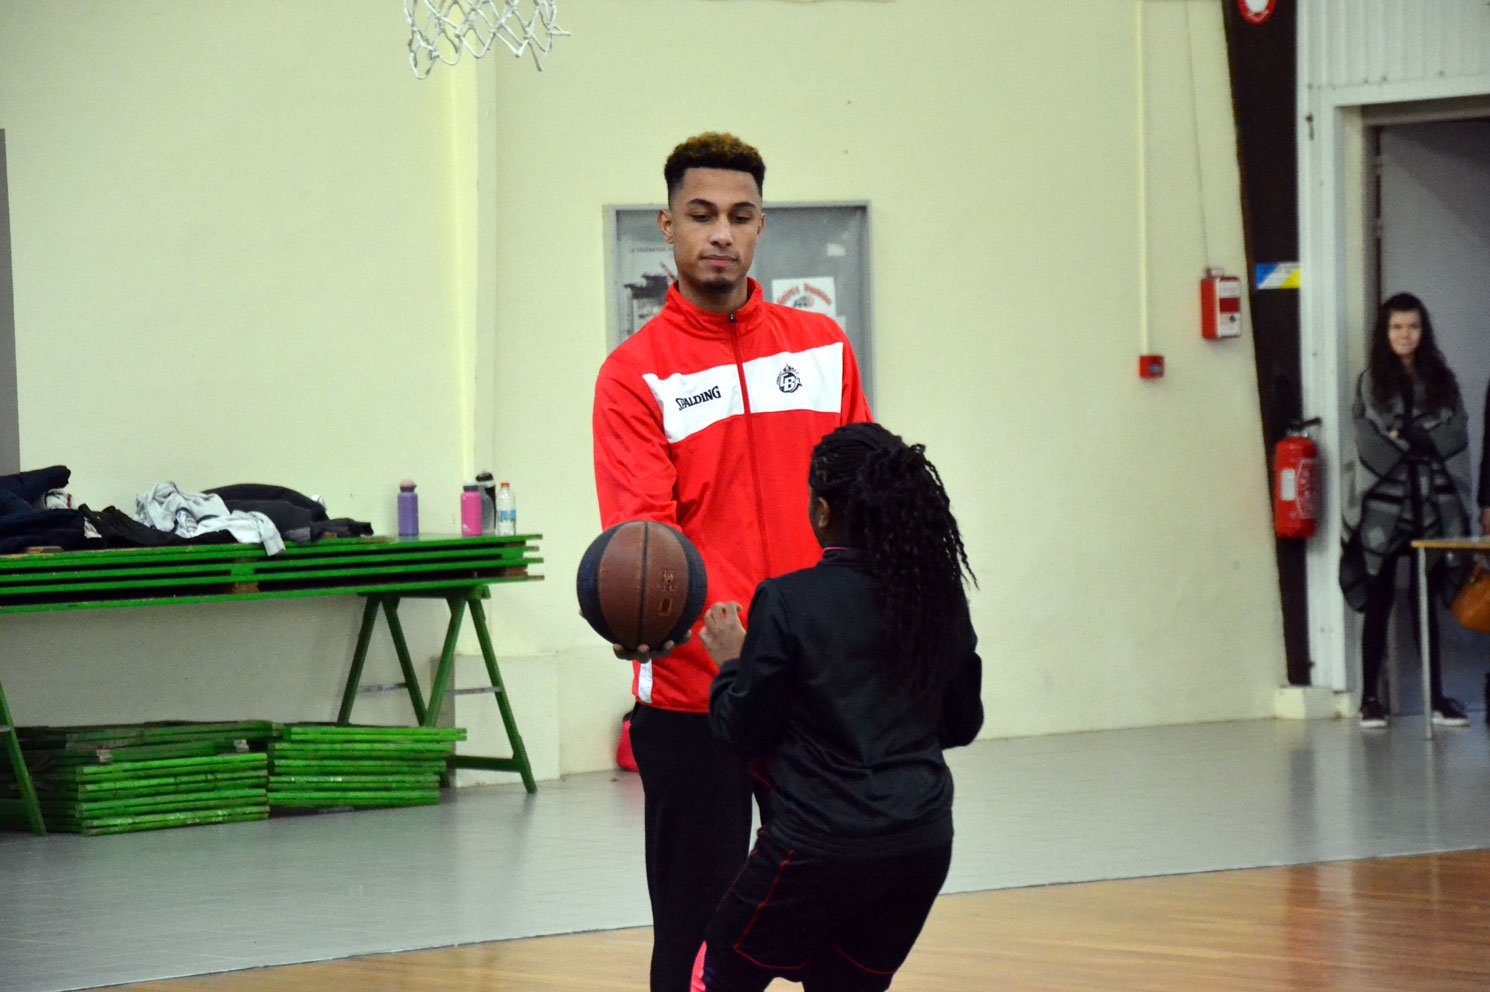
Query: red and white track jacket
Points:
[707, 421]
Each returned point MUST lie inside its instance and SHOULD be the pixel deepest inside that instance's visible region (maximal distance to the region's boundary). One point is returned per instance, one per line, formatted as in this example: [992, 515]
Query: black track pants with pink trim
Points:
[835, 925]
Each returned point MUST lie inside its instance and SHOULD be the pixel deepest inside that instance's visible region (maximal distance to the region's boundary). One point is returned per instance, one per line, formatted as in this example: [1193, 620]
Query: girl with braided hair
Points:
[854, 675]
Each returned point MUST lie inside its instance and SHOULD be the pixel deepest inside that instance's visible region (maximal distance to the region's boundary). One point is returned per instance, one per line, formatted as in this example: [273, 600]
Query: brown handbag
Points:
[1472, 605]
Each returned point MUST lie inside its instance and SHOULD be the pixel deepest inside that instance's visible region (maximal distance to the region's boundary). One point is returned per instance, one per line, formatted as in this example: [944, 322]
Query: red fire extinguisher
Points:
[1295, 482]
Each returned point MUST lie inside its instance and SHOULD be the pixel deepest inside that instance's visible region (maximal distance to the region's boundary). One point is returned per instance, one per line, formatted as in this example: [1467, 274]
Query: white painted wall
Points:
[234, 260]
[249, 245]
[1039, 220]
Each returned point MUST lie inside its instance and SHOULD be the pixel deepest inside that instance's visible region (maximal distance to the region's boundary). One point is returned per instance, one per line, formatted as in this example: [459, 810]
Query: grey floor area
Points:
[495, 863]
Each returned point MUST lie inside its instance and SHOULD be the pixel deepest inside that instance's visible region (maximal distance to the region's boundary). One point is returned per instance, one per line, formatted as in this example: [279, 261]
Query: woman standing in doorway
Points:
[1411, 481]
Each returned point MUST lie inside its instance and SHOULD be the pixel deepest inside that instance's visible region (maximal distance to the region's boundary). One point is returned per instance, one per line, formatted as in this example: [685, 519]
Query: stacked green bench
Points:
[120, 779]
[383, 571]
[321, 766]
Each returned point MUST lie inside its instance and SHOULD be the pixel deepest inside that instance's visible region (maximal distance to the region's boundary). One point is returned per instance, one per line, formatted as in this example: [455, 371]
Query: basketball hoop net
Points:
[441, 30]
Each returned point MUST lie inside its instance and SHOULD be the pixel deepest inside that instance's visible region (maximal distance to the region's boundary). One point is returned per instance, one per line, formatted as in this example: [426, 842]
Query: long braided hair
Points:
[896, 511]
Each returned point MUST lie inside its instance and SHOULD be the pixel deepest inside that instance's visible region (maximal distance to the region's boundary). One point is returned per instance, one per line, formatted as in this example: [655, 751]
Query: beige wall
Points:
[267, 252]
[233, 257]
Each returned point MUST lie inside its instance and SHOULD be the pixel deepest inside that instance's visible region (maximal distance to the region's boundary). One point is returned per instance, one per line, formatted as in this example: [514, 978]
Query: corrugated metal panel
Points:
[1387, 42]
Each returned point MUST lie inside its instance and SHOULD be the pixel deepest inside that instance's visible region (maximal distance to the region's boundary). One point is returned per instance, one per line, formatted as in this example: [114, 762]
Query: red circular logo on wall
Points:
[1255, 11]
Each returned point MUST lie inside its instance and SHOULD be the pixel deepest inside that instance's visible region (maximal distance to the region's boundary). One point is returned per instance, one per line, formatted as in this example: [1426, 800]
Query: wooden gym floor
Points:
[1381, 925]
[1251, 855]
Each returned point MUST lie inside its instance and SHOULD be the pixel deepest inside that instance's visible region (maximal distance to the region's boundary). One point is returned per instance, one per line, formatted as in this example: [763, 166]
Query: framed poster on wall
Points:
[814, 256]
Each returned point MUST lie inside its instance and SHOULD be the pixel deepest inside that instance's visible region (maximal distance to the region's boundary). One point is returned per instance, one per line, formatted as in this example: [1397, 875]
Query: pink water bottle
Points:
[470, 510]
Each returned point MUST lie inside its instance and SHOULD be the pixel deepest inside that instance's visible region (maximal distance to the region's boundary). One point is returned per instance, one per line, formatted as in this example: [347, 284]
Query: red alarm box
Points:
[1220, 305]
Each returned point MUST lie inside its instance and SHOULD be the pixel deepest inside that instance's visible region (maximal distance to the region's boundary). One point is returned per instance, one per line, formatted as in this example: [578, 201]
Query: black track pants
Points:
[834, 925]
[697, 832]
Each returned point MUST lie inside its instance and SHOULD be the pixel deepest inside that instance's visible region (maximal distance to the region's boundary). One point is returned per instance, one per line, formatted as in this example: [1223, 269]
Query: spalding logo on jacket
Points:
[791, 380]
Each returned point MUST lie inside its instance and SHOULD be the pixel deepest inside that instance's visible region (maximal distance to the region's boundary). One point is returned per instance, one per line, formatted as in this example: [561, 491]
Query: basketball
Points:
[641, 582]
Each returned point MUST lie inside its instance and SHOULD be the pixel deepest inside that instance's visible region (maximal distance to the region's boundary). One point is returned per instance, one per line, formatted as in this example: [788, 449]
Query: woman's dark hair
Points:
[891, 500]
[1388, 376]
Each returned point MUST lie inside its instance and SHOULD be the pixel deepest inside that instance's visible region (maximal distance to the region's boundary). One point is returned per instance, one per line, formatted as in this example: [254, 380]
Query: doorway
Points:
[1432, 238]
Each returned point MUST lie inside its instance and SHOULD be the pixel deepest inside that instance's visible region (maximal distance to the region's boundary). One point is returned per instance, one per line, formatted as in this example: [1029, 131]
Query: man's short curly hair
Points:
[713, 150]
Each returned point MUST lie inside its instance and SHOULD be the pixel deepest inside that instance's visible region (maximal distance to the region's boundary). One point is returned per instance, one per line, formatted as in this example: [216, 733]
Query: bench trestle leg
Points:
[401, 648]
[359, 658]
[519, 757]
[446, 668]
[27, 799]
[427, 714]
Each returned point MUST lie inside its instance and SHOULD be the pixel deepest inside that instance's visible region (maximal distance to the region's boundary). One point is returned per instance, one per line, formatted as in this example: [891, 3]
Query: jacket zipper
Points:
[755, 474]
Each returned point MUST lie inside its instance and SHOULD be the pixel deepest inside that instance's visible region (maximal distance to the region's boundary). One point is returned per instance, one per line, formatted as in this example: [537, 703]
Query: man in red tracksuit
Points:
[705, 419]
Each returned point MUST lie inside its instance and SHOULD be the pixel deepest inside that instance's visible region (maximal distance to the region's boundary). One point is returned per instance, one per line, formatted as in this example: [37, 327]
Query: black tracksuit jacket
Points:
[853, 769]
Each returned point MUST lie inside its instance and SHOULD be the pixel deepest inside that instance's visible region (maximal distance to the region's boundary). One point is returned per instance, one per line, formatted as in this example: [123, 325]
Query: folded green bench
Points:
[320, 766]
[141, 777]
[383, 571]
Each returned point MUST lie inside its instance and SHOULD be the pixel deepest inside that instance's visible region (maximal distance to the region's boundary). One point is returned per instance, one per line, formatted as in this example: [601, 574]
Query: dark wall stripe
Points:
[1263, 61]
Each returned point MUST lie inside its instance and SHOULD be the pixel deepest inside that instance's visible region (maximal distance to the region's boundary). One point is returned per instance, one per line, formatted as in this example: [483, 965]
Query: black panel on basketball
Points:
[641, 582]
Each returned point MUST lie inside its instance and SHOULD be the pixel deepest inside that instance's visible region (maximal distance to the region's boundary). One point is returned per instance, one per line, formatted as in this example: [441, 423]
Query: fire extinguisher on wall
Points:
[1295, 481]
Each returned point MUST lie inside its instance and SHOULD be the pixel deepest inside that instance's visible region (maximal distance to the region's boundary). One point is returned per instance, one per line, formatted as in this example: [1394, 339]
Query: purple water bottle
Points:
[470, 510]
[408, 509]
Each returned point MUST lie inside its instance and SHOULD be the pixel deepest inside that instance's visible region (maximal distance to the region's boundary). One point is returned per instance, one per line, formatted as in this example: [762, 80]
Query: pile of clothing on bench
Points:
[36, 511]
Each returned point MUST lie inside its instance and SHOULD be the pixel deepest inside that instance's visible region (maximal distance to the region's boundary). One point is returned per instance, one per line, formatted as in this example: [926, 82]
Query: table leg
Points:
[446, 667]
[359, 658]
[428, 713]
[1424, 619]
[22, 774]
[519, 752]
[401, 648]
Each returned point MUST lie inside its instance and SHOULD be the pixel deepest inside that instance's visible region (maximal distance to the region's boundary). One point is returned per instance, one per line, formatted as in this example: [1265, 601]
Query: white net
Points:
[442, 30]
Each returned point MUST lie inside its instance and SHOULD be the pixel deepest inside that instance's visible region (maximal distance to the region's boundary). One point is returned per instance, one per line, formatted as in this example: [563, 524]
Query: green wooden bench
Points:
[383, 571]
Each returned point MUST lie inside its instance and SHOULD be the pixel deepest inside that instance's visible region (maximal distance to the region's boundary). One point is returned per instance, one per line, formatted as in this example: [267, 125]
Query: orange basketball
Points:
[641, 582]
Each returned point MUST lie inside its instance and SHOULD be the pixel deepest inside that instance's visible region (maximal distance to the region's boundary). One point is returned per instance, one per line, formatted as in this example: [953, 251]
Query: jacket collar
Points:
[709, 324]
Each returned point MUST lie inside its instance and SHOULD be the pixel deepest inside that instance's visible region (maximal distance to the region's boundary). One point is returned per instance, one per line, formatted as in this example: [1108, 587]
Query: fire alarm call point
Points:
[1220, 305]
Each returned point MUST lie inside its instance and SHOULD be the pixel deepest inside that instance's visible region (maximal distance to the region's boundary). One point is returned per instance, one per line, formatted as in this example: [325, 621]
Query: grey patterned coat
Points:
[1378, 506]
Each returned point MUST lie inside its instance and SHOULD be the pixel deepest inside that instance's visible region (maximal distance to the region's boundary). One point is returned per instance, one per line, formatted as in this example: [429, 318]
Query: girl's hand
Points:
[723, 633]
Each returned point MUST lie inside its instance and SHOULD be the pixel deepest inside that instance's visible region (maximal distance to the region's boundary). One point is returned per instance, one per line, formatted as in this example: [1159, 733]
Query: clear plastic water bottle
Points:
[488, 502]
[506, 510]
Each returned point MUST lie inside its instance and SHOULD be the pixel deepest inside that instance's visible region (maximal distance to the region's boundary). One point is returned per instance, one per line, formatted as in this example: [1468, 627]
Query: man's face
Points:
[713, 222]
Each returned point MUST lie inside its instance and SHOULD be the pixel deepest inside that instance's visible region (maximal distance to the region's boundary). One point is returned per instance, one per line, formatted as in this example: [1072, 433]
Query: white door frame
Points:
[1332, 130]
